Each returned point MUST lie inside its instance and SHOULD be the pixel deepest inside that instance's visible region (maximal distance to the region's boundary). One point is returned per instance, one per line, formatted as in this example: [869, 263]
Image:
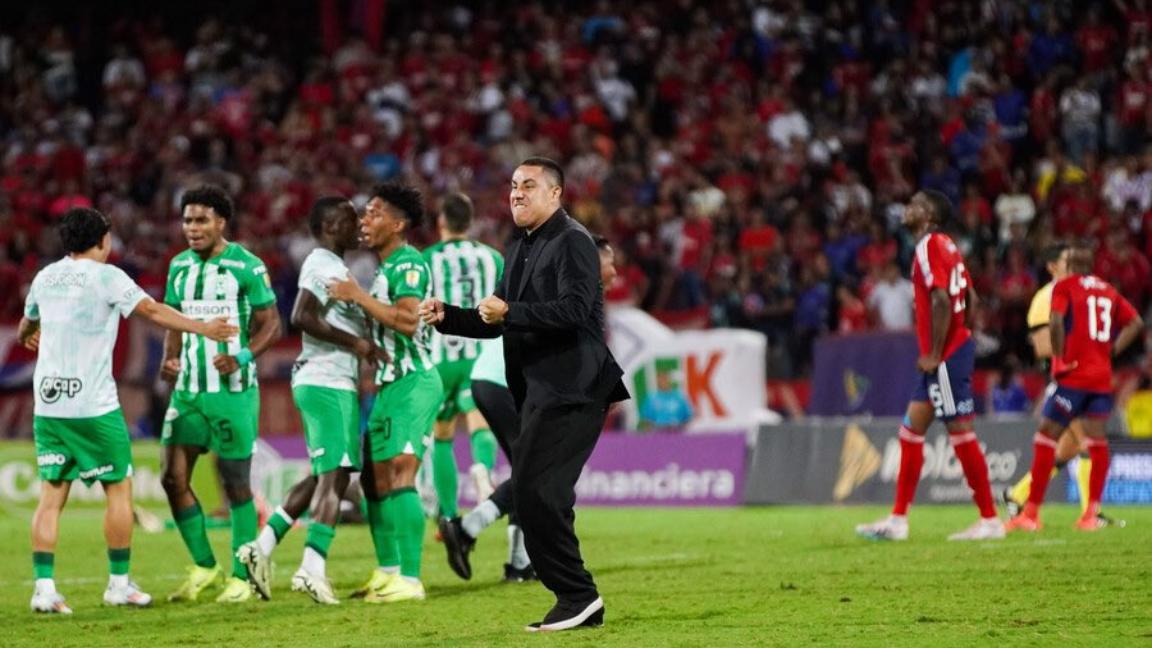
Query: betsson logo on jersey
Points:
[206, 309]
[52, 388]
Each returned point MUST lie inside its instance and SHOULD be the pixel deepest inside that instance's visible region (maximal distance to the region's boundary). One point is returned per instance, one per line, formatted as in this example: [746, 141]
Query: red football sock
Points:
[1099, 454]
[1043, 459]
[971, 457]
[911, 462]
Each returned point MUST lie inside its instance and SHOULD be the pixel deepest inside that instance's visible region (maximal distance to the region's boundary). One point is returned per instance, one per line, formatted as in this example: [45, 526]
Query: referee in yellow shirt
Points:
[1056, 262]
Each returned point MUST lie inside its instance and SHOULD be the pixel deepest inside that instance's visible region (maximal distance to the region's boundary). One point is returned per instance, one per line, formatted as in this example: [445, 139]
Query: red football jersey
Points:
[938, 264]
[1093, 313]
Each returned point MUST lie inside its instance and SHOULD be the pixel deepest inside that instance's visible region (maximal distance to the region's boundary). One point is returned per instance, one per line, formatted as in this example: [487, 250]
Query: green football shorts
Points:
[331, 426]
[401, 419]
[89, 449]
[457, 379]
[224, 422]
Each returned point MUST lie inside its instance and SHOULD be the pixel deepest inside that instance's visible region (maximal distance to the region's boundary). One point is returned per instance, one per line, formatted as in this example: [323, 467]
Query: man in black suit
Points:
[550, 309]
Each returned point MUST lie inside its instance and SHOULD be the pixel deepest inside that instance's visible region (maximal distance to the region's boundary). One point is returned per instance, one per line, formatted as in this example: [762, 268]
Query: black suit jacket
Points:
[554, 350]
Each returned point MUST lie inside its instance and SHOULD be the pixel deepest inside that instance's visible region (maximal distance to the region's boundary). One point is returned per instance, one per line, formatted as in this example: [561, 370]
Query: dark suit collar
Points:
[538, 240]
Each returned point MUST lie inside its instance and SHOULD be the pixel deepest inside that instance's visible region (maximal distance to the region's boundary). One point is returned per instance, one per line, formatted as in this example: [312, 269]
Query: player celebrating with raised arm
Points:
[463, 273]
[324, 386]
[216, 401]
[947, 359]
[410, 392]
[71, 318]
[1086, 311]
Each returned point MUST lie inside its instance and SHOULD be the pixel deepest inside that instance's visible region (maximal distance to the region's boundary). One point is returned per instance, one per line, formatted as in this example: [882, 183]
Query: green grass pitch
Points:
[785, 576]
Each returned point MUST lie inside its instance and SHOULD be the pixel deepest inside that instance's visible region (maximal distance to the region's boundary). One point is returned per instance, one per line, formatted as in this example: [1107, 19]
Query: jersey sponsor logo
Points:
[229, 263]
[182, 263]
[66, 280]
[96, 472]
[51, 459]
[53, 388]
[206, 309]
[317, 453]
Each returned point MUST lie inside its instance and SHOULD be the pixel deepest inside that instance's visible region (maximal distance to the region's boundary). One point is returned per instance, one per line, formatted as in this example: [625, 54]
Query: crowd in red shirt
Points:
[748, 160]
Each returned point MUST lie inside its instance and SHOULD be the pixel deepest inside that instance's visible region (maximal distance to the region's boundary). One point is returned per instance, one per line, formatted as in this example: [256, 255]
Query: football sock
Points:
[1043, 458]
[445, 478]
[1101, 457]
[911, 462]
[409, 516]
[118, 560]
[244, 523]
[383, 529]
[43, 565]
[279, 524]
[316, 547]
[517, 552]
[480, 518]
[1083, 481]
[484, 448]
[194, 532]
[971, 457]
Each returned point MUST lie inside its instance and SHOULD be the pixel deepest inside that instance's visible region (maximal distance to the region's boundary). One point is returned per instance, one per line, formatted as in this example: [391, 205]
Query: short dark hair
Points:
[941, 206]
[601, 242]
[403, 197]
[209, 196]
[320, 210]
[1080, 258]
[549, 165]
[457, 210]
[1053, 251]
[82, 228]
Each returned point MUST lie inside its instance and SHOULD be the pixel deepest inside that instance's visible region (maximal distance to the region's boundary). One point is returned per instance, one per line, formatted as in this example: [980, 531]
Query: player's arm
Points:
[307, 316]
[28, 333]
[1134, 326]
[941, 317]
[971, 301]
[169, 318]
[452, 320]
[401, 317]
[1056, 332]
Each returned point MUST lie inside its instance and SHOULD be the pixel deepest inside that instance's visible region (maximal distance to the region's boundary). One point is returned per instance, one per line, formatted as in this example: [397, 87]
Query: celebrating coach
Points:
[550, 310]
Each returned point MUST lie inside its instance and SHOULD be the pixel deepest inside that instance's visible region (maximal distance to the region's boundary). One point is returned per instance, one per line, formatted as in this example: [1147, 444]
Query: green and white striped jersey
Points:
[463, 273]
[230, 285]
[402, 274]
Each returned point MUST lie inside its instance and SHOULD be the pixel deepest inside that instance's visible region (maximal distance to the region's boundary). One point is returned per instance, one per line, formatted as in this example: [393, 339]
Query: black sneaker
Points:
[519, 575]
[568, 616]
[1105, 521]
[458, 544]
[1014, 508]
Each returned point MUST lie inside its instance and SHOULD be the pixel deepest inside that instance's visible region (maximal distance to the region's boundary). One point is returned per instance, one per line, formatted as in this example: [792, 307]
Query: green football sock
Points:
[383, 530]
[409, 517]
[279, 524]
[192, 527]
[444, 475]
[118, 561]
[320, 537]
[43, 564]
[244, 523]
[484, 448]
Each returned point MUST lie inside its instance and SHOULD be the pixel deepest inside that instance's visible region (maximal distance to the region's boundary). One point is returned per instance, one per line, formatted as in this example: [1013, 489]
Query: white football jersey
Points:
[320, 363]
[79, 303]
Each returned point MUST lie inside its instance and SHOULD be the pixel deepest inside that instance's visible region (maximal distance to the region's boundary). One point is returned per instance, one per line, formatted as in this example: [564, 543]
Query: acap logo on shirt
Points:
[52, 388]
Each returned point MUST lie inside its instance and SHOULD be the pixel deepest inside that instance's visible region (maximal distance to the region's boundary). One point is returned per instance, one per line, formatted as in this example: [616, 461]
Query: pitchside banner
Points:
[864, 373]
[624, 470]
[720, 371]
[857, 462]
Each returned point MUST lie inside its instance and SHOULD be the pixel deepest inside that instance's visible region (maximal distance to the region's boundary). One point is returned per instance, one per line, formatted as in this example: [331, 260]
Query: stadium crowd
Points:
[749, 160]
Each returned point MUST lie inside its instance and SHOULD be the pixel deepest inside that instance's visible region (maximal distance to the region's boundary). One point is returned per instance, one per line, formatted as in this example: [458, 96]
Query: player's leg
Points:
[1059, 409]
[45, 532]
[235, 419]
[1096, 411]
[444, 468]
[967, 449]
[375, 485]
[410, 405]
[118, 535]
[484, 445]
[919, 416]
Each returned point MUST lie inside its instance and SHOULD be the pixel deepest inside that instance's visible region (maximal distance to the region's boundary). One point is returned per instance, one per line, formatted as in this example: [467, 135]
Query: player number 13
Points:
[1100, 318]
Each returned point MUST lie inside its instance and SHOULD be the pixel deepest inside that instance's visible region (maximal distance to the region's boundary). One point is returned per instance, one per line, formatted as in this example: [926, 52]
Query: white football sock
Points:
[313, 562]
[480, 518]
[517, 553]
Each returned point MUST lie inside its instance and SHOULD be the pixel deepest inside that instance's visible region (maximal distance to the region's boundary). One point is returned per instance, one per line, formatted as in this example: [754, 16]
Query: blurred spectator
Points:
[1006, 395]
[666, 407]
[891, 300]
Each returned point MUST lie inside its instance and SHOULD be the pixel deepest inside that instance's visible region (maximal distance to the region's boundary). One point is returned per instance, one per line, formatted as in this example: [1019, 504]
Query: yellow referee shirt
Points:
[1041, 309]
